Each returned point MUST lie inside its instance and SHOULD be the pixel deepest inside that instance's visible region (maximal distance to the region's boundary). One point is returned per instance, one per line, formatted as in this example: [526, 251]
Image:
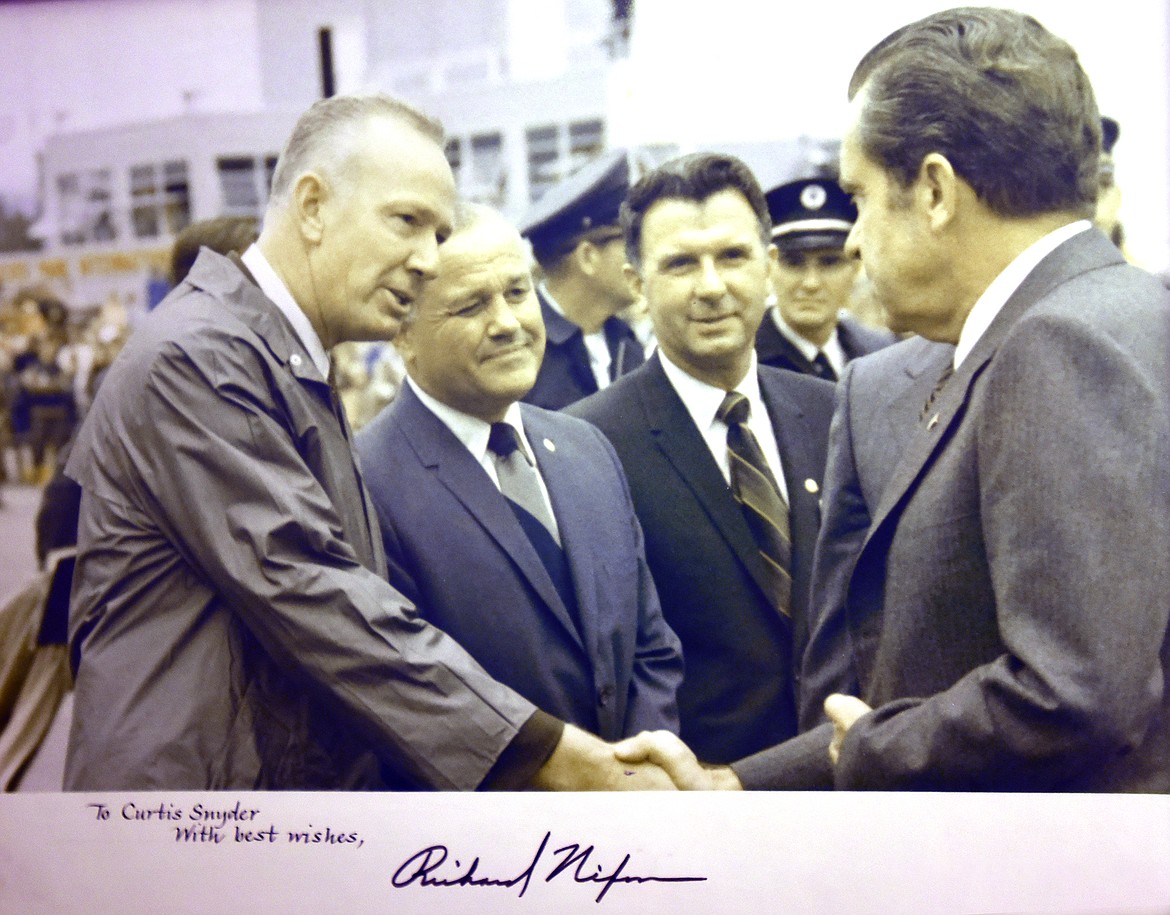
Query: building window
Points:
[176, 196]
[160, 200]
[245, 183]
[489, 180]
[144, 215]
[543, 159]
[269, 171]
[551, 157]
[586, 142]
[86, 210]
[237, 182]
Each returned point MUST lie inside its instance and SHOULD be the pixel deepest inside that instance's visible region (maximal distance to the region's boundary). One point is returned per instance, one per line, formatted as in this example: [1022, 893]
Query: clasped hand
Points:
[666, 751]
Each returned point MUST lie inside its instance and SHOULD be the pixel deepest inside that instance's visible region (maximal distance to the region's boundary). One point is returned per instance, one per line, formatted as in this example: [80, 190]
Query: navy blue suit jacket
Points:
[455, 548]
[566, 374]
[742, 655]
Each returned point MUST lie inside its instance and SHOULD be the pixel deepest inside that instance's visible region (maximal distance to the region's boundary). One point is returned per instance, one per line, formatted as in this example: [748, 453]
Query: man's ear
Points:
[585, 257]
[937, 190]
[633, 279]
[309, 196]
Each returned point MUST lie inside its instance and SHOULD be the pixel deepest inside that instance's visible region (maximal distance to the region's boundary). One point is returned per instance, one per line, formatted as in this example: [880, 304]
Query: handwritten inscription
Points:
[203, 824]
[429, 868]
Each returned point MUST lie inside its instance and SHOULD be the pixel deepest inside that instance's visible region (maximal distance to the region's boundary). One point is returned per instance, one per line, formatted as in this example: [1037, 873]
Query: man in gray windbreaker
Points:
[230, 624]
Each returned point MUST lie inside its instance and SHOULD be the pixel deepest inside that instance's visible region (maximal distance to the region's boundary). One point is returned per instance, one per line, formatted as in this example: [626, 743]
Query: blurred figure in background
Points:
[577, 242]
[808, 329]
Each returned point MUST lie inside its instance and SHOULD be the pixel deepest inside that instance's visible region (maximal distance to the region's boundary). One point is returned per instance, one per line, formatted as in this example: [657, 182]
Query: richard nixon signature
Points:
[429, 868]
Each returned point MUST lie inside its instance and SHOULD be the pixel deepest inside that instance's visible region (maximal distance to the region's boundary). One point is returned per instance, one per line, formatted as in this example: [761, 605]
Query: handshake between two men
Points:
[660, 761]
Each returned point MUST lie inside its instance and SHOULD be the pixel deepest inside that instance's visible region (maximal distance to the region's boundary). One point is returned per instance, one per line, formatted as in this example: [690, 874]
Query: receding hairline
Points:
[327, 135]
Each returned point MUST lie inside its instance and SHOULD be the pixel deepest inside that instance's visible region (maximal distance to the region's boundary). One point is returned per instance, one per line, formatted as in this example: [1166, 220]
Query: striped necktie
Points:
[759, 497]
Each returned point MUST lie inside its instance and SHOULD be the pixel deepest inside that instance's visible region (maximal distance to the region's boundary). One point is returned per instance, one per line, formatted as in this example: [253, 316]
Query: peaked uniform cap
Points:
[586, 200]
[810, 213]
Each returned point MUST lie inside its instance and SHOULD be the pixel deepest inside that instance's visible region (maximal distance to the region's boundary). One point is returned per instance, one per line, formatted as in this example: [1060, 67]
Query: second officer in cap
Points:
[806, 331]
[577, 242]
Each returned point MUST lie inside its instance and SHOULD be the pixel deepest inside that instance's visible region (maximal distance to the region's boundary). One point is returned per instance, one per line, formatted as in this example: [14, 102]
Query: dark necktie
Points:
[759, 497]
[938, 386]
[823, 367]
[518, 480]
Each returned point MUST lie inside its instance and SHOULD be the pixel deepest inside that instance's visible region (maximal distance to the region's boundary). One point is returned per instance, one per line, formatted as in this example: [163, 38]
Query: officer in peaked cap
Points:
[576, 240]
[805, 330]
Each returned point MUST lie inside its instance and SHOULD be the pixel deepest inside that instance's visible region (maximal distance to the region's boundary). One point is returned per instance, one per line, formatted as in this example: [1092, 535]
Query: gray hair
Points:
[324, 135]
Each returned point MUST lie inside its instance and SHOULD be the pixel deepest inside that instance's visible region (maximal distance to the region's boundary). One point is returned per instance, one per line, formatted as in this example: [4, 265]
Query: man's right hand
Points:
[583, 762]
[664, 749]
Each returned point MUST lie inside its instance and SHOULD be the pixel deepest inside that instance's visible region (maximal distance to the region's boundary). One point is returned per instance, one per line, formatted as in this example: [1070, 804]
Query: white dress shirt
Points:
[273, 287]
[474, 432]
[832, 349]
[995, 296]
[702, 402]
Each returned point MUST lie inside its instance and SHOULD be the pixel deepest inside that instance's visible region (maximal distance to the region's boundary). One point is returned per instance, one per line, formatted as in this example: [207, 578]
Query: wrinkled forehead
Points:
[479, 259]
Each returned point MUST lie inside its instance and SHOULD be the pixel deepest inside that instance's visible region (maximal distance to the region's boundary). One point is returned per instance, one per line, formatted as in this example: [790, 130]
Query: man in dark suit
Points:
[697, 239]
[1008, 610]
[576, 240]
[807, 329]
[563, 611]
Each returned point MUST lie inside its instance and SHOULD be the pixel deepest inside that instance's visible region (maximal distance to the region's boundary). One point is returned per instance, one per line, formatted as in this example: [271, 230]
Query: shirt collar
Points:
[273, 287]
[703, 400]
[832, 349]
[472, 431]
[995, 296]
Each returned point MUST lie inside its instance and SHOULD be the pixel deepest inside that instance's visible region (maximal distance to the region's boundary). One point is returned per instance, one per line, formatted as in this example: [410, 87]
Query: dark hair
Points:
[319, 139]
[695, 177]
[222, 234]
[1002, 98]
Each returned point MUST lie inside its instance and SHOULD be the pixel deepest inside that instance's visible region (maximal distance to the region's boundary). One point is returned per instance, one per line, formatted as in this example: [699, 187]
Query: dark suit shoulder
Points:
[806, 391]
[613, 403]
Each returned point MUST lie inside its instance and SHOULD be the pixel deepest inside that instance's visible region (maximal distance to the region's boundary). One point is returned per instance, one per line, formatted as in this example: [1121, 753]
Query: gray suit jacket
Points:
[879, 401]
[1008, 610]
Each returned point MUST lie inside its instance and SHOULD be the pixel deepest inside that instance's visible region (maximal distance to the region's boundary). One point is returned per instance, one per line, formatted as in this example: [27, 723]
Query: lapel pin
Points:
[549, 445]
[933, 422]
[811, 486]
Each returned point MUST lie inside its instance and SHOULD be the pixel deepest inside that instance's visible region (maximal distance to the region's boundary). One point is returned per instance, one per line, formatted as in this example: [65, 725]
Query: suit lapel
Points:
[572, 502]
[788, 425]
[1082, 252]
[675, 434]
[440, 451]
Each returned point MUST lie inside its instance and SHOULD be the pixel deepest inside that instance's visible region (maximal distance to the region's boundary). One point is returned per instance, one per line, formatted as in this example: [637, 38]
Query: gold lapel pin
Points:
[811, 486]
